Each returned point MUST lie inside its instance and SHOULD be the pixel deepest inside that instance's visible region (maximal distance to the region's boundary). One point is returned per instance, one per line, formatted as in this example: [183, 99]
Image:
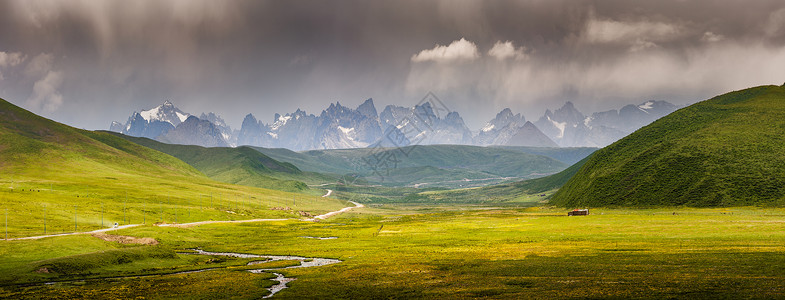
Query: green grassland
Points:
[725, 151]
[412, 253]
[59, 179]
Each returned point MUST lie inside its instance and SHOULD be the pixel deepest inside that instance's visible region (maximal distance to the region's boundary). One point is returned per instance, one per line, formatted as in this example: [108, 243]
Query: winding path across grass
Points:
[332, 213]
[185, 225]
[73, 233]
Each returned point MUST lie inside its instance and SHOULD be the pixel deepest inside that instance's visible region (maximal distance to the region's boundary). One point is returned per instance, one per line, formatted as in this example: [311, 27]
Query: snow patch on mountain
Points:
[349, 132]
[559, 125]
[281, 121]
[488, 127]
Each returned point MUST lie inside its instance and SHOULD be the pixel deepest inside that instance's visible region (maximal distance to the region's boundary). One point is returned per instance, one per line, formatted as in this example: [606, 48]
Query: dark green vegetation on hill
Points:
[725, 151]
[424, 166]
[241, 165]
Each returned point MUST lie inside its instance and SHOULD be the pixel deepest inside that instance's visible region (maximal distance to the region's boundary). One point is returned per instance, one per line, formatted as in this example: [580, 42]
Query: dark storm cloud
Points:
[87, 63]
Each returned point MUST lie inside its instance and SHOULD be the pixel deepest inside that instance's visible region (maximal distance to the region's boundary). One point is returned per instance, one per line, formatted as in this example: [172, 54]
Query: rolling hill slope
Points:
[34, 146]
[725, 151]
[241, 165]
[58, 179]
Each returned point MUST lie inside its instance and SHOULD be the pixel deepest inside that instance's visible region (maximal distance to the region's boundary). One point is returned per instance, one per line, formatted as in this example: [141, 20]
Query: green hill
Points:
[58, 179]
[35, 146]
[241, 165]
[725, 151]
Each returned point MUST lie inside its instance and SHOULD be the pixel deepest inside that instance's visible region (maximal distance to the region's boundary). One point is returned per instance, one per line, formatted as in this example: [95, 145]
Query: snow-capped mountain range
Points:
[339, 127]
[568, 127]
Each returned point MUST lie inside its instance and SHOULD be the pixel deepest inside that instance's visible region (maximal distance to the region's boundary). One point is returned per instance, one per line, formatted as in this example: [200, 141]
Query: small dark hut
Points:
[578, 212]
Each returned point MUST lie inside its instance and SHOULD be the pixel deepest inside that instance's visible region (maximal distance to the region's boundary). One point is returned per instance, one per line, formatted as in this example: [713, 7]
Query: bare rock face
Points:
[530, 136]
[195, 132]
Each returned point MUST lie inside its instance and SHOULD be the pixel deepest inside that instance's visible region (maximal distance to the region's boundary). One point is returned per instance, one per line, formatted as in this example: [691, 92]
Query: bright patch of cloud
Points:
[46, 95]
[636, 35]
[504, 50]
[776, 23]
[11, 59]
[711, 37]
[39, 65]
[460, 50]
[610, 31]
[640, 45]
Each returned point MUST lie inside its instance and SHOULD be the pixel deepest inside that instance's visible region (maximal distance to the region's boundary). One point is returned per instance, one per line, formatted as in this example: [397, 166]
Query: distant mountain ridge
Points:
[341, 127]
[568, 127]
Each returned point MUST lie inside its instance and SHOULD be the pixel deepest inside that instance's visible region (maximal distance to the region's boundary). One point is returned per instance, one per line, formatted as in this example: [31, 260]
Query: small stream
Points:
[305, 262]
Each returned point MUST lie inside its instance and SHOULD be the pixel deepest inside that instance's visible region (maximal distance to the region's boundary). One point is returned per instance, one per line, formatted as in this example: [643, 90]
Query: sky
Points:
[87, 63]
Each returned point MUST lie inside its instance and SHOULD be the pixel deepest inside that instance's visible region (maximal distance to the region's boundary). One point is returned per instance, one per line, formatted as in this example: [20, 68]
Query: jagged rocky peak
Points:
[116, 127]
[500, 129]
[454, 118]
[368, 109]
[530, 136]
[569, 112]
[336, 110]
[214, 118]
[503, 119]
[194, 131]
[165, 112]
[250, 120]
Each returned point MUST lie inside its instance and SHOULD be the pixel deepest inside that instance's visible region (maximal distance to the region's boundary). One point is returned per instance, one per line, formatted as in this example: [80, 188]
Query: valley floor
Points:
[423, 252]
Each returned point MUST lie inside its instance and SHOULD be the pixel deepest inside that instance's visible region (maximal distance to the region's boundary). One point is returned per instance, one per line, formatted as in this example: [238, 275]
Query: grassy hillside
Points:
[56, 179]
[725, 151]
[241, 165]
[427, 166]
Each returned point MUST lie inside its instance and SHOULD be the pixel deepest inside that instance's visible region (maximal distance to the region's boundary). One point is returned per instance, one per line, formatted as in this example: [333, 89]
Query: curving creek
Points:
[305, 262]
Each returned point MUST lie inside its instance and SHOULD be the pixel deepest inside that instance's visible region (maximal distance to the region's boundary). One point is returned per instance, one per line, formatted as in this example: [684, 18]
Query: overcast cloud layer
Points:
[87, 63]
